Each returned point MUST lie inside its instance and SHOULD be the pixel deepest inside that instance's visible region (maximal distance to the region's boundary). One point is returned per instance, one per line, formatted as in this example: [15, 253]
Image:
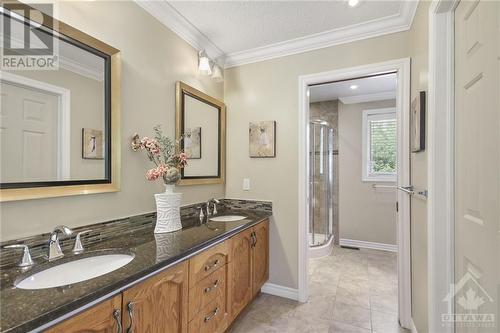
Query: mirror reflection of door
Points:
[477, 163]
[29, 134]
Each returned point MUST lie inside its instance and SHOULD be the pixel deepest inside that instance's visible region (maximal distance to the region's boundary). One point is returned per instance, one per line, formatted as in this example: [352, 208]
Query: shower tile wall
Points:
[327, 111]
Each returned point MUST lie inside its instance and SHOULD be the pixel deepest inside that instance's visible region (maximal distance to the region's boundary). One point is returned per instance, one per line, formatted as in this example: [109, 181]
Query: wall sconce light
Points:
[217, 74]
[204, 63]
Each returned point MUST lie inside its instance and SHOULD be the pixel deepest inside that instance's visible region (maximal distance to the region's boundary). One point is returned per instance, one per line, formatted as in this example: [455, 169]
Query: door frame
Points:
[440, 178]
[402, 68]
[63, 117]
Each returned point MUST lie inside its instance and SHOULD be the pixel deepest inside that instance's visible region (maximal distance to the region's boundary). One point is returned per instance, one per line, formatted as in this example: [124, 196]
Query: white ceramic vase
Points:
[168, 210]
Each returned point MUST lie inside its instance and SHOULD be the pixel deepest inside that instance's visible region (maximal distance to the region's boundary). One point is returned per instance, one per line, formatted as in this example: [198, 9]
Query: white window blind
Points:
[379, 145]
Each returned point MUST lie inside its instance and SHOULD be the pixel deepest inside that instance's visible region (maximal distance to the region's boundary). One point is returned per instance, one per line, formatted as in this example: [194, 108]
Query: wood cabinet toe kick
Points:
[203, 294]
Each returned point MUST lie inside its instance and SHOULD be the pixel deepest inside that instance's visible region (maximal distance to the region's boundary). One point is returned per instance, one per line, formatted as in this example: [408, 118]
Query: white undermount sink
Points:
[228, 218]
[75, 271]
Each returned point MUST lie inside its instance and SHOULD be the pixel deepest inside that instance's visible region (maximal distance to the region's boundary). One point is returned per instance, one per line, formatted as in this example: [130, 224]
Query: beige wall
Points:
[268, 90]
[366, 214]
[419, 51]
[153, 59]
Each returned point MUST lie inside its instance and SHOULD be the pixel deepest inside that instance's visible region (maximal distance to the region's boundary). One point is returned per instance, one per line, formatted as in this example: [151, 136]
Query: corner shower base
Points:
[320, 250]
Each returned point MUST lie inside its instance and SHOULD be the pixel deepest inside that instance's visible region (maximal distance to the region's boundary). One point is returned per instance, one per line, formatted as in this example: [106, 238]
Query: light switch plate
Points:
[246, 184]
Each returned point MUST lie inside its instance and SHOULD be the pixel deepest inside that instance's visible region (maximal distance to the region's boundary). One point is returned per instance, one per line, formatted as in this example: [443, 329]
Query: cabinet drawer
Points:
[208, 262]
[211, 319]
[206, 290]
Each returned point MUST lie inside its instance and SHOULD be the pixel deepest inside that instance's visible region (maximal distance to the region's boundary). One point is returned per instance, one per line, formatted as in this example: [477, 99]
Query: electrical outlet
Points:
[246, 184]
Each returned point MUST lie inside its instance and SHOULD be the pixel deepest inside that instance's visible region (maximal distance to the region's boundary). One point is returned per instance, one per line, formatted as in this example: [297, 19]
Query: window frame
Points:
[378, 114]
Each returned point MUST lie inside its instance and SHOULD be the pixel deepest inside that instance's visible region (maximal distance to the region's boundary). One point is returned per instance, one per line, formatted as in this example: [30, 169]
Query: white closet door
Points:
[477, 161]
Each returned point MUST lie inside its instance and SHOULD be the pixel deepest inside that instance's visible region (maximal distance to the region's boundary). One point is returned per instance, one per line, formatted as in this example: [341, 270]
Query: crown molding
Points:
[368, 97]
[172, 19]
[387, 25]
[66, 63]
[78, 68]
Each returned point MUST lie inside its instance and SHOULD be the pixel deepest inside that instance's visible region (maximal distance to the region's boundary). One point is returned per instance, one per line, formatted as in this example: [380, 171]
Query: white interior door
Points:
[477, 165]
[29, 134]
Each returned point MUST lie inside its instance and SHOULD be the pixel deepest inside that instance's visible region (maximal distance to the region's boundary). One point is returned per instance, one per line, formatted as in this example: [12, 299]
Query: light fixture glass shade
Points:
[217, 74]
[204, 64]
[353, 3]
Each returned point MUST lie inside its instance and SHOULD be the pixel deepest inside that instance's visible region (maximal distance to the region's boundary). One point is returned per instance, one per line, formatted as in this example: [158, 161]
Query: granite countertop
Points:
[31, 310]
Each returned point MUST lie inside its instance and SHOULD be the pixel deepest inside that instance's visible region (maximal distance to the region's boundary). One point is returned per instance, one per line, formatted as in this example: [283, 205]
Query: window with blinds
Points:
[379, 145]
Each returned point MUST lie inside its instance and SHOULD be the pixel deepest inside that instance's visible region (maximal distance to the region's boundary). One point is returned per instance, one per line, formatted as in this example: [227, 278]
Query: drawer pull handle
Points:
[215, 285]
[214, 313]
[118, 318]
[130, 309]
[254, 239]
[207, 268]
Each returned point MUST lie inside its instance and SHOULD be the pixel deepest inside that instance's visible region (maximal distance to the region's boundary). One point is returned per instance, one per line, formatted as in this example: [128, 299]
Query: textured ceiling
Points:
[235, 26]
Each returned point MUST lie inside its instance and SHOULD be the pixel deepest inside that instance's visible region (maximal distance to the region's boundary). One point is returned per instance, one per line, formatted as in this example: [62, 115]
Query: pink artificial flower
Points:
[155, 173]
[183, 157]
[151, 145]
[152, 174]
[162, 169]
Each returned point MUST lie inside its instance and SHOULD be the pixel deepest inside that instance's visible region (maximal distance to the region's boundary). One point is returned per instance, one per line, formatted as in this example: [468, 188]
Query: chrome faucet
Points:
[55, 251]
[214, 210]
[26, 260]
[78, 247]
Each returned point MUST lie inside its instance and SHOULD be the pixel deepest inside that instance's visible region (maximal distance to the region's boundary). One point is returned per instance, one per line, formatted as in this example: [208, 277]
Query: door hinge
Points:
[397, 207]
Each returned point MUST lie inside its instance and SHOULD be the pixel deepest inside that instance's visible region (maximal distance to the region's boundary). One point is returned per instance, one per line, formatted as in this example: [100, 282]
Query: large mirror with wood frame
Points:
[60, 108]
[201, 131]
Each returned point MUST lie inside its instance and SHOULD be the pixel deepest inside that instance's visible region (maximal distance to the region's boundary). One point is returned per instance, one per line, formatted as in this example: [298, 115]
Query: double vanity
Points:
[197, 279]
[117, 276]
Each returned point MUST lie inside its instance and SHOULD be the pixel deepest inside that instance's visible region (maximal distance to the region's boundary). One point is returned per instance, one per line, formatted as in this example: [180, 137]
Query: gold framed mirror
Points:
[71, 132]
[201, 129]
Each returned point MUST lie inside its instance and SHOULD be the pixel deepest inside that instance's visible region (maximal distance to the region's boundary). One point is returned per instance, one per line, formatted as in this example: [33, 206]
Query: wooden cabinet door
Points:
[101, 318]
[159, 304]
[260, 256]
[240, 272]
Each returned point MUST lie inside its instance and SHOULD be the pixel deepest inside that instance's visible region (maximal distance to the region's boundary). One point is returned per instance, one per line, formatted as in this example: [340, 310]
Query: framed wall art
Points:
[262, 139]
[418, 123]
[92, 144]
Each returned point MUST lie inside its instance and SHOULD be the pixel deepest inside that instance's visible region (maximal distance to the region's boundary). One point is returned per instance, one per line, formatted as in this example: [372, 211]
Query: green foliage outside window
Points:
[383, 146]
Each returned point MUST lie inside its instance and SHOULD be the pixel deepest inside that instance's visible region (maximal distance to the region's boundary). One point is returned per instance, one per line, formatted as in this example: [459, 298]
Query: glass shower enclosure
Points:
[321, 178]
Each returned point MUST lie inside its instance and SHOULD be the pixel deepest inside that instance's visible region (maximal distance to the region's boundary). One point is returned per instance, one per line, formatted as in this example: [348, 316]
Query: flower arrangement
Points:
[165, 153]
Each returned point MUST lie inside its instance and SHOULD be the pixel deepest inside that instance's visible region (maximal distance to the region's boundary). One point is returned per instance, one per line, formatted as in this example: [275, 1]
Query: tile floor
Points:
[351, 291]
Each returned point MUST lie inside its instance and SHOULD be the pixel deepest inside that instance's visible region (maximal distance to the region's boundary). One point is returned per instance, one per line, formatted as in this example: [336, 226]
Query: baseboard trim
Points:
[368, 245]
[413, 328]
[281, 291]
